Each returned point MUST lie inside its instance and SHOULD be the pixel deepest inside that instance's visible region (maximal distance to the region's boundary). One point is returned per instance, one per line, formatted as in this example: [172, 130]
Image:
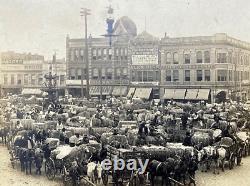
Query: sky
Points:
[41, 26]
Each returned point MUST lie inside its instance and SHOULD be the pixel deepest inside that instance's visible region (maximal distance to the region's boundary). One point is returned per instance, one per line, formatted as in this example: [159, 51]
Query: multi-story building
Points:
[186, 68]
[108, 64]
[20, 72]
[145, 66]
[206, 67]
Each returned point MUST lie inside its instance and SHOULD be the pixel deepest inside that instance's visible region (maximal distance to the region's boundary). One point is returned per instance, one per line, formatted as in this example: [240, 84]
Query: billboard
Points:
[144, 59]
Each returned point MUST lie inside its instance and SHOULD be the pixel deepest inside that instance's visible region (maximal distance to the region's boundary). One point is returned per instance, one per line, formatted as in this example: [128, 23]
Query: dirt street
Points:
[240, 175]
[14, 177]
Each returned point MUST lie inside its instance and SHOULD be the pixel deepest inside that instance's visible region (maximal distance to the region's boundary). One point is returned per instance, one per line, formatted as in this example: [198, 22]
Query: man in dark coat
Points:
[188, 139]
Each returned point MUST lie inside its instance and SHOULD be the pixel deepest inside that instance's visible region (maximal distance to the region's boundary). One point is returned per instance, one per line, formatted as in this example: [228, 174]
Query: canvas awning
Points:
[119, 90]
[203, 94]
[33, 91]
[179, 93]
[191, 94]
[96, 90]
[169, 94]
[131, 92]
[143, 93]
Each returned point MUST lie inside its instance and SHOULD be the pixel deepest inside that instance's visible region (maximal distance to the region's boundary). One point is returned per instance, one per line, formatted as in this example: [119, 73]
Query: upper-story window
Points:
[110, 53]
[187, 58]
[82, 54]
[79, 73]
[94, 54]
[168, 75]
[199, 75]
[222, 75]
[168, 58]
[99, 53]
[76, 54]
[241, 60]
[105, 54]
[187, 75]
[125, 53]
[72, 55]
[221, 58]
[207, 75]
[95, 73]
[207, 56]
[109, 73]
[125, 73]
[175, 75]
[72, 74]
[116, 54]
[199, 57]
[230, 57]
[175, 58]
[103, 73]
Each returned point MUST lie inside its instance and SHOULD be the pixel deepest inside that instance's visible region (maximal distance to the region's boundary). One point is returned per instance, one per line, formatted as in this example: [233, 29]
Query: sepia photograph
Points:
[124, 92]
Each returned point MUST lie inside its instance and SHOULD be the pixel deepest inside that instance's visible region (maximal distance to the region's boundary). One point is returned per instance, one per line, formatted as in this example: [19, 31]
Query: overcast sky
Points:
[41, 26]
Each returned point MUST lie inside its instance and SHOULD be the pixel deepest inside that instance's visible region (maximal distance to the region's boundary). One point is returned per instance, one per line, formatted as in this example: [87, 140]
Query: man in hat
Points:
[85, 139]
[188, 139]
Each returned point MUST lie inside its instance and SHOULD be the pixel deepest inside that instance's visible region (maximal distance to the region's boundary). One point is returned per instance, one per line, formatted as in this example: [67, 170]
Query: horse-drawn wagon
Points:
[233, 151]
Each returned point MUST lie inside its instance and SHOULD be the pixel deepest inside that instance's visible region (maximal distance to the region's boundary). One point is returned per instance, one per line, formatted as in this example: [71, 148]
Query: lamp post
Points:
[85, 12]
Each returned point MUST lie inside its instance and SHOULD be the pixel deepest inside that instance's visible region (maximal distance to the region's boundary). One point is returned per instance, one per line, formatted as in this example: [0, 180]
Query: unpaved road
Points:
[239, 176]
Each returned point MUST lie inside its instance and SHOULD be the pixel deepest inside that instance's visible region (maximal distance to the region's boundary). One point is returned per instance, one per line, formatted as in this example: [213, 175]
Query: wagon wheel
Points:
[239, 157]
[67, 180]
[105, 177]
[231, 161]
[50, 169]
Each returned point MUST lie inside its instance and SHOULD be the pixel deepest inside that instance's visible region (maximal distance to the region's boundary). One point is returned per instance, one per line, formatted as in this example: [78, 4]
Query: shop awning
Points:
[191, 94]
[27, 91]
[169, 94]
[203, 94]
[179, 93]
[131, 92]
[96, 90]
[119, 90]
[143, 93]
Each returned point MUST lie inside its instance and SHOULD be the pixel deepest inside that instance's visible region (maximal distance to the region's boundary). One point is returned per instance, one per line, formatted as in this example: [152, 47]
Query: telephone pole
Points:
[85, 12]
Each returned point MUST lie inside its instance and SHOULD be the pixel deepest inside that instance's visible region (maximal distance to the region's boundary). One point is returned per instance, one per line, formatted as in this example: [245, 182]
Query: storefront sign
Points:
[145, 67]
[188, 66]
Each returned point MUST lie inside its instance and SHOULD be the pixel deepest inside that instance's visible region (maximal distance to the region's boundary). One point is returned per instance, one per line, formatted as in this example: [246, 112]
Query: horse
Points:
[94, 172]
[211, 155]
[157, 169]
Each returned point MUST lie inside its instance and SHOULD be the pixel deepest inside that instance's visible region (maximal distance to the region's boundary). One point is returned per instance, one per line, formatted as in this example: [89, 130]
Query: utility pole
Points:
[85, 12]
[55, 67]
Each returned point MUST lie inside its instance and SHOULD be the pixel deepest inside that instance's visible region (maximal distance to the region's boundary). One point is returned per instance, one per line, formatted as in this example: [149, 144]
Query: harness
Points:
[156, 169]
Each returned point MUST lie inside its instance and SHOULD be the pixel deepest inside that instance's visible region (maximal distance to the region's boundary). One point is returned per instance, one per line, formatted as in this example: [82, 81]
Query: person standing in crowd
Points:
[143, 131]
[59, 125]
[188, 139]
[184, 120]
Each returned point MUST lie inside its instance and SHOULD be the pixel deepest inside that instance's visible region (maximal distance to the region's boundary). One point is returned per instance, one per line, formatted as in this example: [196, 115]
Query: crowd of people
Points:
[155, 123]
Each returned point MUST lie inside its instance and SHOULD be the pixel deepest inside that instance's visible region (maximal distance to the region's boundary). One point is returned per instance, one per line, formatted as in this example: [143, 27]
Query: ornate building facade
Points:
[188, 68]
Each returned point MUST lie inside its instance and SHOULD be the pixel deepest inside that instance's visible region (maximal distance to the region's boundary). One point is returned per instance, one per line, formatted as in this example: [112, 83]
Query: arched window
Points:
[207, 56]
[187, 58]
[176, 58]
[168, 58]
[199, 57]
